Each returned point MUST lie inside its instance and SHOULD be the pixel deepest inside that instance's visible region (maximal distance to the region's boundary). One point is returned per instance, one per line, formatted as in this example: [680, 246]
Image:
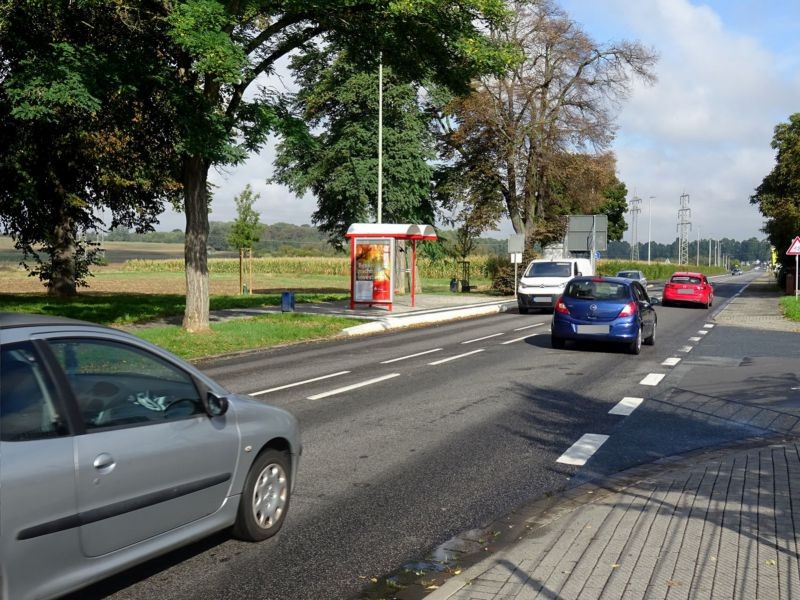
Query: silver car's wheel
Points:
[265, 497]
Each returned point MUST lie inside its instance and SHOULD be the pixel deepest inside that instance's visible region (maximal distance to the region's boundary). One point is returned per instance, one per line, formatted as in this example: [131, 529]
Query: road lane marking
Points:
[355, 386]
[708, 325]
[291, 385]
[671, 362]
[448, 359]
[480, 339]
[685, 349]
[386, 362]
[529, 326]
[652, 379]
[582, 450]
[695, 339]
[702, 332]
[520, 339]
[626, 406]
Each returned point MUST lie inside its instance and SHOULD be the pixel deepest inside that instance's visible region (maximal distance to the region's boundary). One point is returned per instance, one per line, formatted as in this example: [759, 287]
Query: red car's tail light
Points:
[629, 310]
[561, 307]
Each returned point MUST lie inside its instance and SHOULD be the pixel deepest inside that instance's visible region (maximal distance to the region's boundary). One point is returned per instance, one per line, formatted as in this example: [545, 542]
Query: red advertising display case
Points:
[372, 256]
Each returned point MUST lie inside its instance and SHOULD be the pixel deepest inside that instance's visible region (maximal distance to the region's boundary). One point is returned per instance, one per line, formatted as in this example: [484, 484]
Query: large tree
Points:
[331, 146]
[512, 143]
[85, 127]
[778, 196]
[224, 47]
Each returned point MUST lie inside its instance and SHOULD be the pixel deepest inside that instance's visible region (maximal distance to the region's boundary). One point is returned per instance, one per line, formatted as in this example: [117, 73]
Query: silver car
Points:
[114, 451]
[634, 275]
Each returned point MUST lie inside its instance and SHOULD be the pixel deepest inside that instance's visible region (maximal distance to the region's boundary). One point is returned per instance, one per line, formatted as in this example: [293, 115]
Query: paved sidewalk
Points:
[709, 524]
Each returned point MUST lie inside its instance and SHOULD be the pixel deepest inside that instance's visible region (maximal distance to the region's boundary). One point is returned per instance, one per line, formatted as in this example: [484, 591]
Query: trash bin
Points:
[454, 285]
[287, 302]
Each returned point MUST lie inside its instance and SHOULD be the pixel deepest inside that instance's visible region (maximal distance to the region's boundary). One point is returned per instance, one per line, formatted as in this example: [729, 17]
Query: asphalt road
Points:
[451, 427]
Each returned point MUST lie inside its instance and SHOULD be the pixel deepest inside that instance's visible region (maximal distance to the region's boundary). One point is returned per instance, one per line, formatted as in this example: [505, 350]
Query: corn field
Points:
[300, 265]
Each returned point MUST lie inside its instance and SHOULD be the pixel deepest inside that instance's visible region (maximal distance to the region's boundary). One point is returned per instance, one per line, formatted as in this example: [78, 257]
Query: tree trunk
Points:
[195, 174]
[62, 278]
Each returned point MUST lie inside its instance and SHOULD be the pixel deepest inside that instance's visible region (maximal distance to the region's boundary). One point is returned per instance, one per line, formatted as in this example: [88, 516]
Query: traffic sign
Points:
[794, 249]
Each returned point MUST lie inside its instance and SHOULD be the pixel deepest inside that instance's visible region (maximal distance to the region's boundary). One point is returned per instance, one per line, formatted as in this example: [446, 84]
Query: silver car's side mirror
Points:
[216, 406]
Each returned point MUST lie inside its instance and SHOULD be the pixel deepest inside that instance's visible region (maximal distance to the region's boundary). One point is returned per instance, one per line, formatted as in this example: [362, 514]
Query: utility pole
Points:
[380, 138]
[684, 226]
[635, 210]
[698, 245]
[709, 252]
[649, 228]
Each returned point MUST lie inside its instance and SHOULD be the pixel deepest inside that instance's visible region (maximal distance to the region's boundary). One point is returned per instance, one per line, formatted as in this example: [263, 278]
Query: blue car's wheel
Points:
[651, 340]
[635, 347]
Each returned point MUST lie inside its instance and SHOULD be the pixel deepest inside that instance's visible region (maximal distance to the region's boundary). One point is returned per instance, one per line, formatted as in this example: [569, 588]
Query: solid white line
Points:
[583, 449]
[685, 349]
[520, 339]
[708, 325]
[529, 326]
[386, 362]
[291, 385]
[626, 406]
[702, 332]
[352, 387]
[695, 339]
[444, 360]
[486, 337]
[653, 379]
[671, 362]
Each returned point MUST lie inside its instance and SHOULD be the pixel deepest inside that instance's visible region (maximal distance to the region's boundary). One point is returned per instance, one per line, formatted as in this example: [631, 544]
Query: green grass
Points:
[791, 307]
[126, 308]
[246, 334]
[653, 271]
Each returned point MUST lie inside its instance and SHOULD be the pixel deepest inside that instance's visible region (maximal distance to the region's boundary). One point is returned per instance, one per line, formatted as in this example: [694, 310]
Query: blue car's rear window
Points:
[597, 290]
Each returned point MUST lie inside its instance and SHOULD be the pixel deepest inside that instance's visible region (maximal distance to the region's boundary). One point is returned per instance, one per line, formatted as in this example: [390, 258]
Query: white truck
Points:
[543, 281]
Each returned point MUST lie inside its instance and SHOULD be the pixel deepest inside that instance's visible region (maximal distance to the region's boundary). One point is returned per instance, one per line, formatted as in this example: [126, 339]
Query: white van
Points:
[543, 281]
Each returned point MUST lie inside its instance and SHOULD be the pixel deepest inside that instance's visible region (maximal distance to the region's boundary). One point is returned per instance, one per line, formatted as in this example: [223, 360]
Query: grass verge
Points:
[127, 308]
[791, 307]
[245, 334]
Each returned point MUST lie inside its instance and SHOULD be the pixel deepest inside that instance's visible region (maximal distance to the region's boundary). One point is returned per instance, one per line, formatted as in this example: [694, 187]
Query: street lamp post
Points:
[649, 226]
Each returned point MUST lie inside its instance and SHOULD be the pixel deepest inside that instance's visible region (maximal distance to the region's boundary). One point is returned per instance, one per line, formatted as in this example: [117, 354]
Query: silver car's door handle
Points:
[104, 463]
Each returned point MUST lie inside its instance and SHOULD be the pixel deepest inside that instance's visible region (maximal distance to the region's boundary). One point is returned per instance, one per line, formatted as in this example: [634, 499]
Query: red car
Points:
[688, 287]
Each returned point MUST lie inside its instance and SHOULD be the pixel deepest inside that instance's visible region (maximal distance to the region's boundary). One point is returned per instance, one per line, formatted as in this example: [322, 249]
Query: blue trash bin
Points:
[287, 302]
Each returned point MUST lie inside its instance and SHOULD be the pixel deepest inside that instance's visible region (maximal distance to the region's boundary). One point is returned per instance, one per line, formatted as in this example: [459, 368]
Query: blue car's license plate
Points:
[596, 329]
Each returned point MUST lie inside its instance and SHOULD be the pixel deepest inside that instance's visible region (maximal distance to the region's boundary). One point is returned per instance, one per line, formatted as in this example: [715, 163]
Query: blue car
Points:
[605, 309]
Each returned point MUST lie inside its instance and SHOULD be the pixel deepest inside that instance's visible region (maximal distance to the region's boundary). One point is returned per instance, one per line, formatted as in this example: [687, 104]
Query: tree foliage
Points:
[331, 147]
[246, 229]
[518, 144]
[778, 196]
[84, 128]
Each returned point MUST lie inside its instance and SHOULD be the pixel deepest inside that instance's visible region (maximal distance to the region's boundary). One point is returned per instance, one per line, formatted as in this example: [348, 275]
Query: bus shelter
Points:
[372, 256]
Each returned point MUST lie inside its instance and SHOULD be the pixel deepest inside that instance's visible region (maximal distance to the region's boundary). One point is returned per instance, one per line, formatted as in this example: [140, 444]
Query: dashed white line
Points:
[520, 339]
[386, 362]
[448, 359]
[582, 450]
[626, 406]
[652, 379]
[671, 362]
[291, 385]
[695, 339]
[355, 386]
[480, 339]
[708, 325]
[685, 349]
[702, 332]
[529, 326]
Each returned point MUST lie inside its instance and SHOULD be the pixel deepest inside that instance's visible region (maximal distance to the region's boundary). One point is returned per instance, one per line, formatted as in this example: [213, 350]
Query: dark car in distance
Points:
[605, 309]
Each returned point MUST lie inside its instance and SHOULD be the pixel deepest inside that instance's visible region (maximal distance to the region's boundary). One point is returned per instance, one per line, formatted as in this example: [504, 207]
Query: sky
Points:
[728, 72]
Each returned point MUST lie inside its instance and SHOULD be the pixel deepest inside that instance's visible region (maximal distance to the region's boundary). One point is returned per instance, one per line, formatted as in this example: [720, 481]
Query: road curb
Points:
[389, 323]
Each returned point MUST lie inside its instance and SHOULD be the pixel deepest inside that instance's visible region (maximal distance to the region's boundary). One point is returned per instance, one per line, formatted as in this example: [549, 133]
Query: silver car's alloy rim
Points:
[269, 495]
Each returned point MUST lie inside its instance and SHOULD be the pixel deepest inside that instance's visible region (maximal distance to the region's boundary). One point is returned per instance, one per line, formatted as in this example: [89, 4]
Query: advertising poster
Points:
[373, 265]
